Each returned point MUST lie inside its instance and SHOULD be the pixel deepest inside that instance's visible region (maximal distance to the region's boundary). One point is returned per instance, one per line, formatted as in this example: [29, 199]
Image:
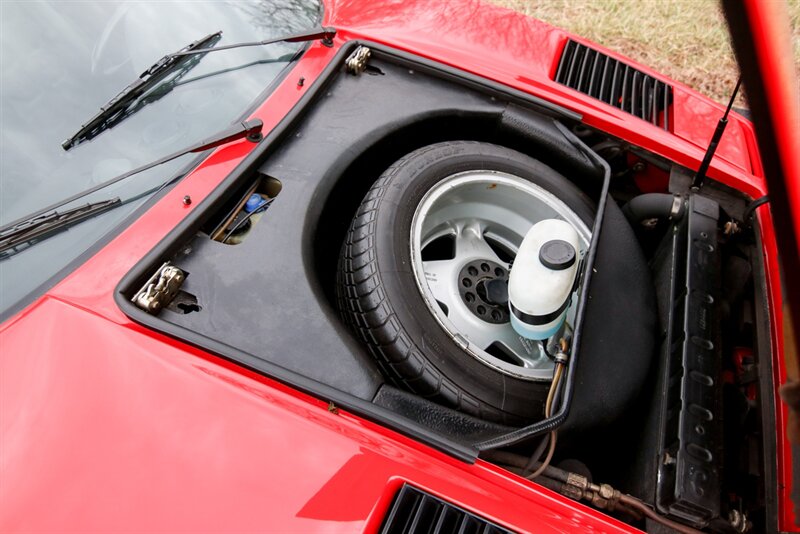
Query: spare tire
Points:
[432, 230]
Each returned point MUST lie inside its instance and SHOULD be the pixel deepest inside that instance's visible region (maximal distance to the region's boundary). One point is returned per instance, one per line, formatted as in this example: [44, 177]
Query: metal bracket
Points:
[357, 61]
[160, 288]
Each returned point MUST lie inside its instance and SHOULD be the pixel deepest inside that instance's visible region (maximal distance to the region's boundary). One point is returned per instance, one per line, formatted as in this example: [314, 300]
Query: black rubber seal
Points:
[536, 320]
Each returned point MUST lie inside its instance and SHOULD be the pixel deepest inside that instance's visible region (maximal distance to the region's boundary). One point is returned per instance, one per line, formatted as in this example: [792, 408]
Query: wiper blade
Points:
[115, 108]
[146, 80]
[325, 34]
[49, 223]
[22, 229]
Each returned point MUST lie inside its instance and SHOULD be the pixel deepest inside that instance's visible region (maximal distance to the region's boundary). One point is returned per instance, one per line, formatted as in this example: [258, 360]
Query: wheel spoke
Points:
[527, 350]
[471, 327]
[471, 244]
[441, 276]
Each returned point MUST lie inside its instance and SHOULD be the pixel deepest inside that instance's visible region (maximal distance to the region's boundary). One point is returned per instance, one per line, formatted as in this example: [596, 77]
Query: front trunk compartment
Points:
[670, 375]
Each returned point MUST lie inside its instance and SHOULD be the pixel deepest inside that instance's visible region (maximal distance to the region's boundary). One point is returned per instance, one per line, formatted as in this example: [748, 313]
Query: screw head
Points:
[187, 200]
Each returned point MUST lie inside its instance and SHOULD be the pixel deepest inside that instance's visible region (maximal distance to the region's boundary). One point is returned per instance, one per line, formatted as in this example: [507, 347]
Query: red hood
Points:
[525, 55]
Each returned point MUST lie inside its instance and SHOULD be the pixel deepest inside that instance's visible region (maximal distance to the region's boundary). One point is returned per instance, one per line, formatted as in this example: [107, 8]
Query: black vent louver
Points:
[416, 512]
[622, 86]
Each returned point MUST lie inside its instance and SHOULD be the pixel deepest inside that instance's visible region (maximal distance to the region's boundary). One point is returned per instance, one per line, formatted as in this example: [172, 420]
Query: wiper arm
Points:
[146, 80]
[325, 34]
[51, 222]
[117, 106]
[22, 230]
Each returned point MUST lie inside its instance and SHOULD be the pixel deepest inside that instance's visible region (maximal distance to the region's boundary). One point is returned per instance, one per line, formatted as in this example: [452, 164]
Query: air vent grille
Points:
[593, 73]
[416, 512]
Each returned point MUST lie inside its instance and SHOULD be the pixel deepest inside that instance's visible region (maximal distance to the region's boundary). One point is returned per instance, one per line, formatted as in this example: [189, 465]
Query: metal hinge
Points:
[160, 289]
[357, 61]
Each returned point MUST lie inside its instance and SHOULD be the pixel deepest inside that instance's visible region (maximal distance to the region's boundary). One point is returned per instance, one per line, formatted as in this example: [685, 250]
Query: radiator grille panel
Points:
[416, 512]
[615, 83]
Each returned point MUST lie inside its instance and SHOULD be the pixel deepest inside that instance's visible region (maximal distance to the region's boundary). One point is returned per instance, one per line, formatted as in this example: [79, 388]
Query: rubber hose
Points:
[652, 206]
[549, 483]
[636, 504]
[521, 462]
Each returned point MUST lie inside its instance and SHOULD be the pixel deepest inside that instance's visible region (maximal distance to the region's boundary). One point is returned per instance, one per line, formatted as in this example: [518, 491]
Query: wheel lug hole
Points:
[472, 287]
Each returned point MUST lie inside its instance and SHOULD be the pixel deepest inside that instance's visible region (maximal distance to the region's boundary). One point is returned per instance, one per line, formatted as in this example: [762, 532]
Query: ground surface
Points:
[686, 40]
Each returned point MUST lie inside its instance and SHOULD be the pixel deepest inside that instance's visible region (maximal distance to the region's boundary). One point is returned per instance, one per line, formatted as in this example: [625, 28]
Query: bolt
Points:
[638, 166]
[187, 200]
[301, 82]
[606, 491]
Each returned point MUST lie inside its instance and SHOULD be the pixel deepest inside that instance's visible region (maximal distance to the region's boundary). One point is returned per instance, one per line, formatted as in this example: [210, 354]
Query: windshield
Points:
[61, 61]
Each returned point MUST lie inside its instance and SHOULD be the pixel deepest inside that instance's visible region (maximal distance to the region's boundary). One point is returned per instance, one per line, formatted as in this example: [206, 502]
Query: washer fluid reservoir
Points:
[542, 279]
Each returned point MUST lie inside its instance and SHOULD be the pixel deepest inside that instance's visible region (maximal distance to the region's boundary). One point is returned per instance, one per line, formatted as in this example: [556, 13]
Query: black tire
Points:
[378, 296]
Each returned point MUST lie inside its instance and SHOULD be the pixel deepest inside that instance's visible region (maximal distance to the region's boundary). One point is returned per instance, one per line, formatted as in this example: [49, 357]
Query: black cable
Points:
[551, 423]
[751, 208]
[533, 462]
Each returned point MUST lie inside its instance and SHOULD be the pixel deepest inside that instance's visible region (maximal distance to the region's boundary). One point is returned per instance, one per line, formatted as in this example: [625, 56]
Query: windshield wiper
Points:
[117, 109]
[114, 108]
[46, 221]
[52, 222]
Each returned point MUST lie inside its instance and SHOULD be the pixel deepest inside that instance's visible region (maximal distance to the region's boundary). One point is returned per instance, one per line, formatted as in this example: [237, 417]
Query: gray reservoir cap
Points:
[557, 255]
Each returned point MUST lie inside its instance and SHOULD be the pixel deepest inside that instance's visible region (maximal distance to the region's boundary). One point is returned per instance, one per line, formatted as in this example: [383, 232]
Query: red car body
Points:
[108, 426]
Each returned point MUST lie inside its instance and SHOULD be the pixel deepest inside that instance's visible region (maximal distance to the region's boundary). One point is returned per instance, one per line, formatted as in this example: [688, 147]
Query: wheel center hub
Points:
[472, 286]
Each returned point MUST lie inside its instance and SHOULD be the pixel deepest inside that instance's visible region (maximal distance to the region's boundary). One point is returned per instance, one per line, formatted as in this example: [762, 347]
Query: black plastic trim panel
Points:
[617, 84]
[185, 231]
[766, 391]
[688, 484]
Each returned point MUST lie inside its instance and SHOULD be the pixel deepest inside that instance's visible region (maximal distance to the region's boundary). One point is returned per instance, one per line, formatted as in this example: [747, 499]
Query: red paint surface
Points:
[772, 43]
[770, 36]
[105, 425]
[124, 431]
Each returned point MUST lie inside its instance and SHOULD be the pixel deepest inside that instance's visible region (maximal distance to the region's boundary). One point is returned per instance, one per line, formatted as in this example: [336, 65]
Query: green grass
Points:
[686, 40]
